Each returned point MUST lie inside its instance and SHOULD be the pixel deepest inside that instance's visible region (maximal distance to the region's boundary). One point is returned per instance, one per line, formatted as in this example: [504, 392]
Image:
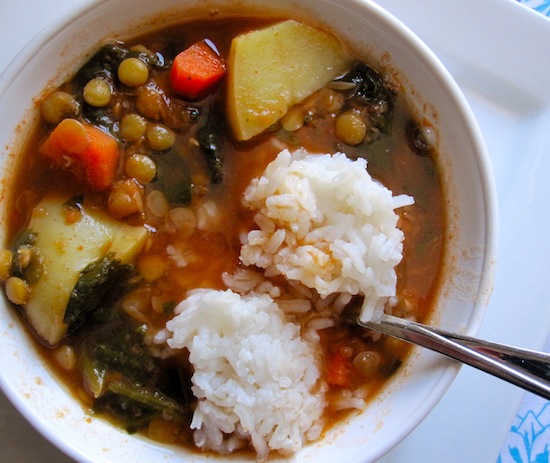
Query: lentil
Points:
[331, 101]
[150, 103]
[133, 72]
[350, 128]
[24, 255]
[185, 221]
[160, 137]
[161, 430]
[135, 304]
[157, 203]
[132, 127]
[58, 106]
[17, 290]
[97, 92]
[6, 259]
[125, 199]
[152, 267]
[366, 363]
[141, 167]
[65, 357]
[293, 119]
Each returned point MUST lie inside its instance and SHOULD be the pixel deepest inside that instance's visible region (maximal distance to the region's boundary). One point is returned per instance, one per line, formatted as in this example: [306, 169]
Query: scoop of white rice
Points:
[254, 377]
[325, 222]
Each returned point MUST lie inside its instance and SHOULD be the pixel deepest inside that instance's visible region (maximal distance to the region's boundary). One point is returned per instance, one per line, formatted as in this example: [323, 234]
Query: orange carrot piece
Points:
[86, 151]
[197, 70]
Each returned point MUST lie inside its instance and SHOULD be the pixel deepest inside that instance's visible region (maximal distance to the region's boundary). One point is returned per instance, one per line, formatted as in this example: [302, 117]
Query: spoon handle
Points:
[525, 368]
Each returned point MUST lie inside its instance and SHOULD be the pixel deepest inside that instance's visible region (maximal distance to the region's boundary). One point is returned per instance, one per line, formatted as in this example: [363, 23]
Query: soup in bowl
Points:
[202, 198]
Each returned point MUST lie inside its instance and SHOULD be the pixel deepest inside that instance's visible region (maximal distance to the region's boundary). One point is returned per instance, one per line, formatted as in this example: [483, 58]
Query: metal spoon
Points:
[525, 368]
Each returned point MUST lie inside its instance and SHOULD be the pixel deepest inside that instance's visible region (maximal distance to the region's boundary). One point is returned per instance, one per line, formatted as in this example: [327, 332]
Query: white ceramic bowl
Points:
[420, 384]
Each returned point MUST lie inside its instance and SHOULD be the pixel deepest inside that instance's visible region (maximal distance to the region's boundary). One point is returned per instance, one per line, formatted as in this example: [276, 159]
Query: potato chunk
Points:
[66, 248]
[273, 68]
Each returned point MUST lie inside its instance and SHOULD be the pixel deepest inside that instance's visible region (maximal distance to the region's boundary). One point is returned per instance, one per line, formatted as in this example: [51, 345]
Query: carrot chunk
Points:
[197, 70]
[86, 151]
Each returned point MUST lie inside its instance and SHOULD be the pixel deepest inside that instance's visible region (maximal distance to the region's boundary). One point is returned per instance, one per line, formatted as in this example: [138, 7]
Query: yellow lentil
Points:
[184, 219]
[157, 203]
[132, 127]
[293, 119]
[97, 92]
[350, 128]
[151, 267]
[141, 167]
[6, 259]
[366, 363]
[133, 72]
[58, 106]
[136, 301]
[160, 137]
[65, 357]
[150, 103]
[164, 431]
[24, 255]
[125, 199]
[142, 49]
[17, 290]
[331, 101]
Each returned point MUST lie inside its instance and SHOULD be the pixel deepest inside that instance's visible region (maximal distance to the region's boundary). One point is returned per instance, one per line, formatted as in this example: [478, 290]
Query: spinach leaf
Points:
[120, 347]
[26, 263]
[210, 144]
[136, 405]
[94, 284]
[364, 87]
[105, 63]
[127, 381]
[173, 177]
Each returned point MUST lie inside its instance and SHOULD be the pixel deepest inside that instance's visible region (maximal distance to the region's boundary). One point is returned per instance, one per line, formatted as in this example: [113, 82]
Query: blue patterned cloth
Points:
[542, 6]
[529, 438]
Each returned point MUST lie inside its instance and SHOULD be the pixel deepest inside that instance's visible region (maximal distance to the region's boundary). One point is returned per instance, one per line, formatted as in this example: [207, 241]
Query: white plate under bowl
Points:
[418, 386]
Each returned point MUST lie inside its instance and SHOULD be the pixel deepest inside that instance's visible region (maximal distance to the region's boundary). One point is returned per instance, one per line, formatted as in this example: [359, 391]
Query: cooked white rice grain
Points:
[208, 216]
[295, 306]
[325, 222]
[319, 324]
[254, 377]
[345, 400]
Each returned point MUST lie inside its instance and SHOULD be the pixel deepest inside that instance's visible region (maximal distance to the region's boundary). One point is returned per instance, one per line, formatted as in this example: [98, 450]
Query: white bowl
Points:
[469, 259]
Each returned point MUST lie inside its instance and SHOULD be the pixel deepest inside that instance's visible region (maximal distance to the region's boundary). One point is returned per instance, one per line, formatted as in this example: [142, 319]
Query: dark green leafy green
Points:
[127, 381]
[26, 263]
[173, 177]
[135, 405]
[101, 118]
[119, 346]
[105, 63]
[94, 285]
[210, 144]
[74, 203]
[94, 375]
[364, 87]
